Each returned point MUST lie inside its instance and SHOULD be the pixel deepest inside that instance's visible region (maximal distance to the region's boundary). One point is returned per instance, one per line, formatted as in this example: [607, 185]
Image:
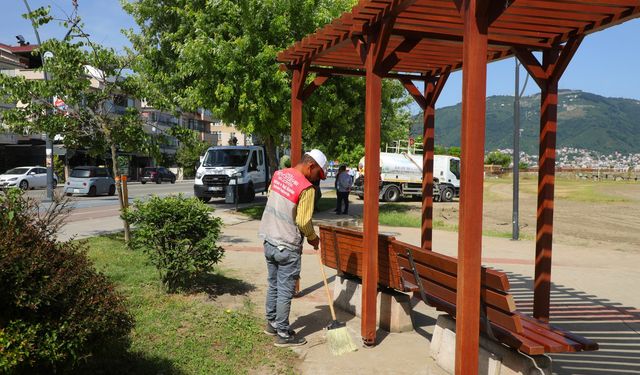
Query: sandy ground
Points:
[607, 215]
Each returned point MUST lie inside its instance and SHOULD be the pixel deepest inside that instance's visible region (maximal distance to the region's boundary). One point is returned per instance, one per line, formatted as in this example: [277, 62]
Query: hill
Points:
[585, 120]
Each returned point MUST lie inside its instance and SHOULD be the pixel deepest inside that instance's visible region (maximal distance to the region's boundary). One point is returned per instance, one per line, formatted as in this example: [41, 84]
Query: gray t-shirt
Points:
[344, 182]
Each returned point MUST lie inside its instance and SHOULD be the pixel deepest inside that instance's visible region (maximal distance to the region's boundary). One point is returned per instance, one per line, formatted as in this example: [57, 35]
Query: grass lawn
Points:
[255, 212]
[182, 333]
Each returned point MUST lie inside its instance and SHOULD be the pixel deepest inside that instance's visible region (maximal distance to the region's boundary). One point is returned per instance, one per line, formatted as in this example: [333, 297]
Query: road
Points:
[103, 211]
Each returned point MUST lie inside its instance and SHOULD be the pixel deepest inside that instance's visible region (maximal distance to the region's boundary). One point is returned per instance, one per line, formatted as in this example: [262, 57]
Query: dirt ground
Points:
[587, 213]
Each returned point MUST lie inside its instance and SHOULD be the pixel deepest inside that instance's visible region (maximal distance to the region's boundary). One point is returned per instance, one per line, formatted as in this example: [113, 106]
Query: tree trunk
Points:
[270, 145]
[116, 173]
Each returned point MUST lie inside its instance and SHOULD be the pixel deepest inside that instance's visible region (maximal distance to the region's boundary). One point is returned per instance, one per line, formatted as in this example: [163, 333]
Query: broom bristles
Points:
[339, 341]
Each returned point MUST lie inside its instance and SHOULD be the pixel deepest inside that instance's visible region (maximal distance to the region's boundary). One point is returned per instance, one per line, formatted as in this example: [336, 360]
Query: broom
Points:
[338, 337]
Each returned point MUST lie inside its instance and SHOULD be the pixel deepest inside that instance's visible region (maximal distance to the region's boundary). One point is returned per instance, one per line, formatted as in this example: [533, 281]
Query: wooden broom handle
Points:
[326, 286]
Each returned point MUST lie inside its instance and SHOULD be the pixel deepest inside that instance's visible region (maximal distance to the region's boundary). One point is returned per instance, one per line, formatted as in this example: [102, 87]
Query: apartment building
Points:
[19, 149]
[16, 149]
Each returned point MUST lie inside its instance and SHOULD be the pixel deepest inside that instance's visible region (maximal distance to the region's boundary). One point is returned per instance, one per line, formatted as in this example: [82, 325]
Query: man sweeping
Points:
[286, 221]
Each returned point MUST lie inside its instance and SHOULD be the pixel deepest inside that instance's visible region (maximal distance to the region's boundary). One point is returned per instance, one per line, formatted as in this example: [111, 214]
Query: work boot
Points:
[272, 331]
[288, 340]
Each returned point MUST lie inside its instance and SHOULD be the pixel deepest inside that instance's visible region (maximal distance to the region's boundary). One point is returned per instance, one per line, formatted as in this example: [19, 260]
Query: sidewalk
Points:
[595, 284]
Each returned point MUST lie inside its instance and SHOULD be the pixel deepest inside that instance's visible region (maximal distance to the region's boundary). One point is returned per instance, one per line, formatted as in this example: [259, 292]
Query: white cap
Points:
[319, 157]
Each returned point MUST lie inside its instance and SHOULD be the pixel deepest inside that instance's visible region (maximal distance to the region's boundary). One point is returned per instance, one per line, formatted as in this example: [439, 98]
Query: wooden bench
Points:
[431, 277]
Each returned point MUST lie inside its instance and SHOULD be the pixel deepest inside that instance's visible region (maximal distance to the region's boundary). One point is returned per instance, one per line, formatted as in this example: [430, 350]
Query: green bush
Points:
[56, 308]
[179, 235]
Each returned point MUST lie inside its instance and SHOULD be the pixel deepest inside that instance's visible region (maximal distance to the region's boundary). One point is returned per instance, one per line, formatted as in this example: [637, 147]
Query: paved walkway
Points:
[594, 294]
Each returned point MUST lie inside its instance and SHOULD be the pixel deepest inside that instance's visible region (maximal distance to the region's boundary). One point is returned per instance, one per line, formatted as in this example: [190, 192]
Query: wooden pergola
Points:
[423, 41]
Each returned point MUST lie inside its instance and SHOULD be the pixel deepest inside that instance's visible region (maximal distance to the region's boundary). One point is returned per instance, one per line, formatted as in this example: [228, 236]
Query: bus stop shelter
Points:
[424, 41]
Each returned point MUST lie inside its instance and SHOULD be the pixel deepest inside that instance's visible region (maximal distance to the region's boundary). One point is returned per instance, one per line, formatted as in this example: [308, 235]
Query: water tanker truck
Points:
[401, 177]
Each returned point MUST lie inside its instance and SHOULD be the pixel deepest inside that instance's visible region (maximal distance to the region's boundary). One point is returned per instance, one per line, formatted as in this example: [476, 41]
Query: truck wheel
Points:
[392, 193]
[204, 199]
[446, 194]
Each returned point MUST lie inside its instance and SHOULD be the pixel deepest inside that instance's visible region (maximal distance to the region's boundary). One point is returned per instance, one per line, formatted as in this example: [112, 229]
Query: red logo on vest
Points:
[289, 183]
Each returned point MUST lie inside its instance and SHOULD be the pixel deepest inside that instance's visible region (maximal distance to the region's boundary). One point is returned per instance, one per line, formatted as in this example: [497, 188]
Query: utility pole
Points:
[515, 233]
[47, 138]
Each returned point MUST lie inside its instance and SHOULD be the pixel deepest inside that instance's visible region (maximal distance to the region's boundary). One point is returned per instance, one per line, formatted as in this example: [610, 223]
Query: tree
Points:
[90, 83]
[498, 158]
[221, 55]
[190, 149]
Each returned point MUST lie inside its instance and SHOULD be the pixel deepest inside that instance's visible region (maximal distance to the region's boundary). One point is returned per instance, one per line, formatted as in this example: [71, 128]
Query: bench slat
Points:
[498, 299]
[505, 319]
[578, 342]
[491, 278]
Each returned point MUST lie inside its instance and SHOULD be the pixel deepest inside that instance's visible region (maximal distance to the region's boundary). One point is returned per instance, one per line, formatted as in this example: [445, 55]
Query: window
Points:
[253, 165]
[260, 157]
[218, 135]
[101, 172]
[82, 173]
[41, 171]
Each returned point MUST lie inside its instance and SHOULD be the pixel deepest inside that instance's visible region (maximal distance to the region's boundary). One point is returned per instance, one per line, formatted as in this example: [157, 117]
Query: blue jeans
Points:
[283, 267]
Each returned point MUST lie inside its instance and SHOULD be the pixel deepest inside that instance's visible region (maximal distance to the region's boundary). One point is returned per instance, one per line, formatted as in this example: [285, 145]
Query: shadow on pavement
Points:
[616, 328]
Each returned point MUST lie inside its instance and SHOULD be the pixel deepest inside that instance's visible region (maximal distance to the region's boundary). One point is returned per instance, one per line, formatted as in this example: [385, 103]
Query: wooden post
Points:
[474, 82]
[373, 103]
[296, 115]
[546, 188]
[428, 145]
[546, 75]
[432, 90]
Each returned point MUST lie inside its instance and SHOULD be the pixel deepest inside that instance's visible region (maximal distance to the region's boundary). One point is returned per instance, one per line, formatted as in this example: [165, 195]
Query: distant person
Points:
[343, 187]
[285, 223]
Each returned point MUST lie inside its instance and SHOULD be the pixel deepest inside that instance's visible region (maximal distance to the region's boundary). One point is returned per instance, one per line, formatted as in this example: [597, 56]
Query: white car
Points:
[26, 178]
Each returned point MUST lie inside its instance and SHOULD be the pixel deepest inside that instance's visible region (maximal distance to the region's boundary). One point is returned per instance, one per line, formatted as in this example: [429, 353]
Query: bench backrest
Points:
[438, 275]
[342, 249]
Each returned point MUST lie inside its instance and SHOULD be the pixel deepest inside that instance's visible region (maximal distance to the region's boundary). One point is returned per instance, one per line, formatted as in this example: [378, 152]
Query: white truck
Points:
[223, 167]
[401, 177]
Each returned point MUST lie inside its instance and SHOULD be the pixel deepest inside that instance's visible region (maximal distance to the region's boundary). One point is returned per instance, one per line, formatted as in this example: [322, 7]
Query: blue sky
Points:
[606, 63]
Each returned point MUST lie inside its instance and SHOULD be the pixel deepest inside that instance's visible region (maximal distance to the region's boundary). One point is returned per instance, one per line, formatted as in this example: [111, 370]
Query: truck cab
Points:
[223, 167]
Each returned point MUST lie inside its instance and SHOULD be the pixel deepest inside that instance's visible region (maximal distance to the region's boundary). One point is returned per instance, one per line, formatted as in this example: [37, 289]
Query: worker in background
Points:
[343, 187]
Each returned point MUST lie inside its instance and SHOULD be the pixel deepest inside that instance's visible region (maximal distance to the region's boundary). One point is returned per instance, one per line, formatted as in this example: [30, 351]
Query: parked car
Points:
[157, 175]
[91, 181]
[26, 178]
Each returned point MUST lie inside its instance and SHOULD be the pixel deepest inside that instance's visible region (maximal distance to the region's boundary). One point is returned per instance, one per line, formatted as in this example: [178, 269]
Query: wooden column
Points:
[432, 90]
[546, 187]
[546, 75]
[428, 144]
[373, 103]
[472, 155]
[297, 84]
[376, 44]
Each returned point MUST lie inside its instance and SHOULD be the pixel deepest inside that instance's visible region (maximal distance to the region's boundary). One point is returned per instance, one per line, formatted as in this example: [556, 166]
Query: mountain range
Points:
[585, 120]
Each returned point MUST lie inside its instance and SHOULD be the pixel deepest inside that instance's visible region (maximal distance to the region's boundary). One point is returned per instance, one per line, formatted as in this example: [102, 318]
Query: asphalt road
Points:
[87, 208]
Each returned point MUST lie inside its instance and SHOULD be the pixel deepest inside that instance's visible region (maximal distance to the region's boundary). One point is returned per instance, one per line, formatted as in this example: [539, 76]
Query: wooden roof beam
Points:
[456, 36]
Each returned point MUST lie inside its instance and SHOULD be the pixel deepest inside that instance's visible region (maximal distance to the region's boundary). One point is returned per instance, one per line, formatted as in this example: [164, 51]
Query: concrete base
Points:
[494, 358]
[394, 307]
